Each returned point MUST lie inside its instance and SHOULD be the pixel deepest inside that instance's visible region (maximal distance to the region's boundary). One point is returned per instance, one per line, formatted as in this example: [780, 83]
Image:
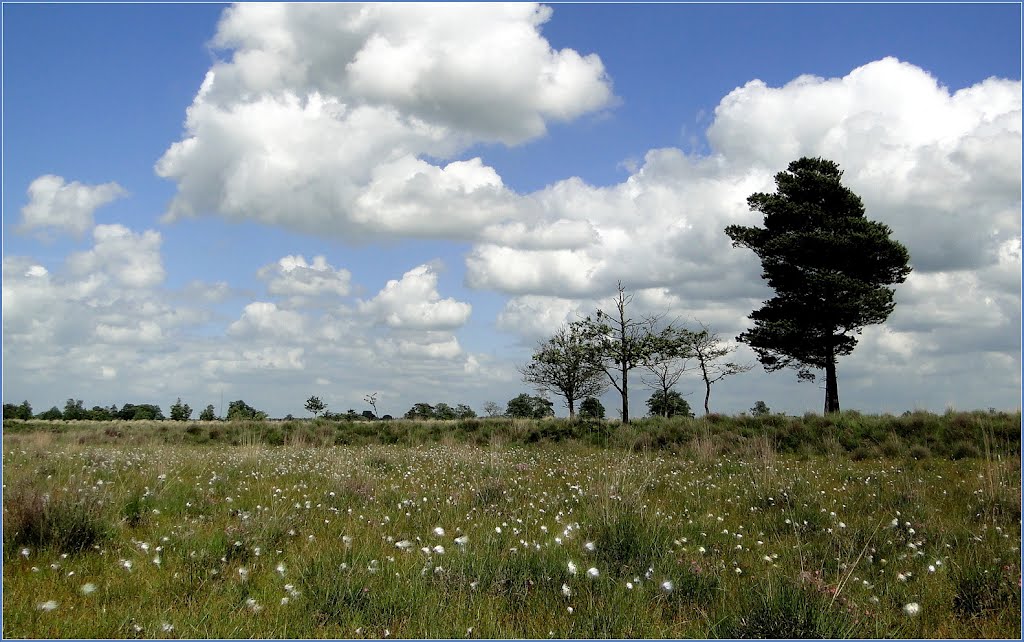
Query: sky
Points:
[268, 202]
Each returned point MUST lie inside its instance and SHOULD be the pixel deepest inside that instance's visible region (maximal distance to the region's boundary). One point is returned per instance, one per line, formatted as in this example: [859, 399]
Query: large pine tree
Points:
[829, 266]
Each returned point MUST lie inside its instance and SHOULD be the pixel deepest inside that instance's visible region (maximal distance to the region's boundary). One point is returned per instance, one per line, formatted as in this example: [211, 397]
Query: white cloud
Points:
[264, 321]
[324, 115]
[132, 260]
[292, 277]
[55, 203]
[414, 303]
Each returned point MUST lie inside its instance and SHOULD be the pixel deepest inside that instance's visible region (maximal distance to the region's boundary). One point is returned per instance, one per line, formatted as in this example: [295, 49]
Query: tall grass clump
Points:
[60, 522]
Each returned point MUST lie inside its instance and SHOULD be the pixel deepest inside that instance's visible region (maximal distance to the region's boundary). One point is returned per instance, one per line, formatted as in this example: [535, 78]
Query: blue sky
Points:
[630, 162]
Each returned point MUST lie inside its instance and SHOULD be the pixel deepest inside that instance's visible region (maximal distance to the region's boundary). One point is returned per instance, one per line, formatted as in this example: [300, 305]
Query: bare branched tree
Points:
[669, 359]
[708, 350]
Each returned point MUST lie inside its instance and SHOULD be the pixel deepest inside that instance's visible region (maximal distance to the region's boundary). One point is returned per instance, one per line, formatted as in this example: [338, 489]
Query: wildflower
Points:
[667, 586]
[593, 572]
[48, 605]
[439, 531]
[912, 609]
[88, 588]
[572, 568]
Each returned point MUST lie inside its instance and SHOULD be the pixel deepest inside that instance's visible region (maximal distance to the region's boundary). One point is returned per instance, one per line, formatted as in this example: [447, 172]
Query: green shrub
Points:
[36, 519]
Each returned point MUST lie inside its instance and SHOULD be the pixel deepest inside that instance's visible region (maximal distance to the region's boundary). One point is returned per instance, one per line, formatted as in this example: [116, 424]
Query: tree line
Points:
[830, 268]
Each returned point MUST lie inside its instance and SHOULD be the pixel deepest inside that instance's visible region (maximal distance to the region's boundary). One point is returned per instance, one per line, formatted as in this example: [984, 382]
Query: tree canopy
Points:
[829, 266]
[563, 366]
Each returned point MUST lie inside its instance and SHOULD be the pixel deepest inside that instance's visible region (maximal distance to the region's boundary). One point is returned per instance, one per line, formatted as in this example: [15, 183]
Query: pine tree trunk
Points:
[831, 384]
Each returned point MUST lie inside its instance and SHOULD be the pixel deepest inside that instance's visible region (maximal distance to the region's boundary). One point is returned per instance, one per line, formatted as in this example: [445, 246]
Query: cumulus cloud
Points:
[413, 302]
[69, 207]
[292, 276]
[131, 260]
[324, 115]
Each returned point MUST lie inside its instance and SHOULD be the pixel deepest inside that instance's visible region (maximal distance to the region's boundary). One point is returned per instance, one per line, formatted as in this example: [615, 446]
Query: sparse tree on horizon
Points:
[563, 366]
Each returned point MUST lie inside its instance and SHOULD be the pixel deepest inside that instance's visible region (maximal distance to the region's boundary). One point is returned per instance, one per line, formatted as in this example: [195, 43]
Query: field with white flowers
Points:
[114, 540]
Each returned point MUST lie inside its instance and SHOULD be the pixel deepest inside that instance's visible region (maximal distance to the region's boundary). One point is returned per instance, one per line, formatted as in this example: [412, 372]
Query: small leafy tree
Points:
[207, 414]
[591, 408]
[829, 265]
[617, 344]
[668, 359]
[760, 409]
[492, 409]
[99, 413]
[240, 411]
[708, 349]
[23, 411]
[315, 406]
[668, 404]
[444, 411]
[462, 411]
[563, 366]
[74, 410]
[530, 407]
[147, 412]
[180, 411]
[420, 411]
[51, 414]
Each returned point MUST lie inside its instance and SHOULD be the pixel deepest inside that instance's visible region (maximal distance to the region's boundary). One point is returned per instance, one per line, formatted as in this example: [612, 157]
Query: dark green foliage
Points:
[315, 405]
[591, 408]
[444, 411]
[462, 411]
[760, 409]
[239, 410]
[42, 520]
[670, 404]
[207, 414]
[527, 407]
[180, 411]
[790, 611]
[829, 266]
[74, 410]
[980, 590]
[629, 542]
[420, 411]
[51, 414]
[564, 365]
[23, 411]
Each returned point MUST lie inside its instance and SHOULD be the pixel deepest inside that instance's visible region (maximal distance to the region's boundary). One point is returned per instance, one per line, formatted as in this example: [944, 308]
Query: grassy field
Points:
[111, 531]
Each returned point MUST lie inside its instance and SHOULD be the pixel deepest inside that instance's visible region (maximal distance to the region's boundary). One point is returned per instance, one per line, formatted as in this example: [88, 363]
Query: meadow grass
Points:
[119, 535]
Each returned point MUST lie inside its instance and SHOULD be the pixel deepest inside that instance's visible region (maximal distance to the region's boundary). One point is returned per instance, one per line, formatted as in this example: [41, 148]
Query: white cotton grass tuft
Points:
[912, 608]
[462, 540]
[566, 591]
[439, 531]
[48, 605]
[667, 586]
[88, 588]
[593, 573]
[590, 546]
[571, 567]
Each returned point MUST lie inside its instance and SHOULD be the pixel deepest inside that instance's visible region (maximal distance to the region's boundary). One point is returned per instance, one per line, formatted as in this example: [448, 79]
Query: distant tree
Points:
[315, 406]
[127, 412]
[239, 410]
[462, 411]
[351, 415]
[51, 414]
[22, 411]
[563, 366]
[369, 416]
[708, 350]
[830, 268]
[372, 400]
[492, 409]
[99, 413]
[74, 410]
[528, 407]
[618, 343]
[387, 418]
[668, 404]
[207, 414]
[148, 412]
[668, 359]
[444, 411]
[760, 409]
[420, 411]
[180, 411]
[591, 408]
